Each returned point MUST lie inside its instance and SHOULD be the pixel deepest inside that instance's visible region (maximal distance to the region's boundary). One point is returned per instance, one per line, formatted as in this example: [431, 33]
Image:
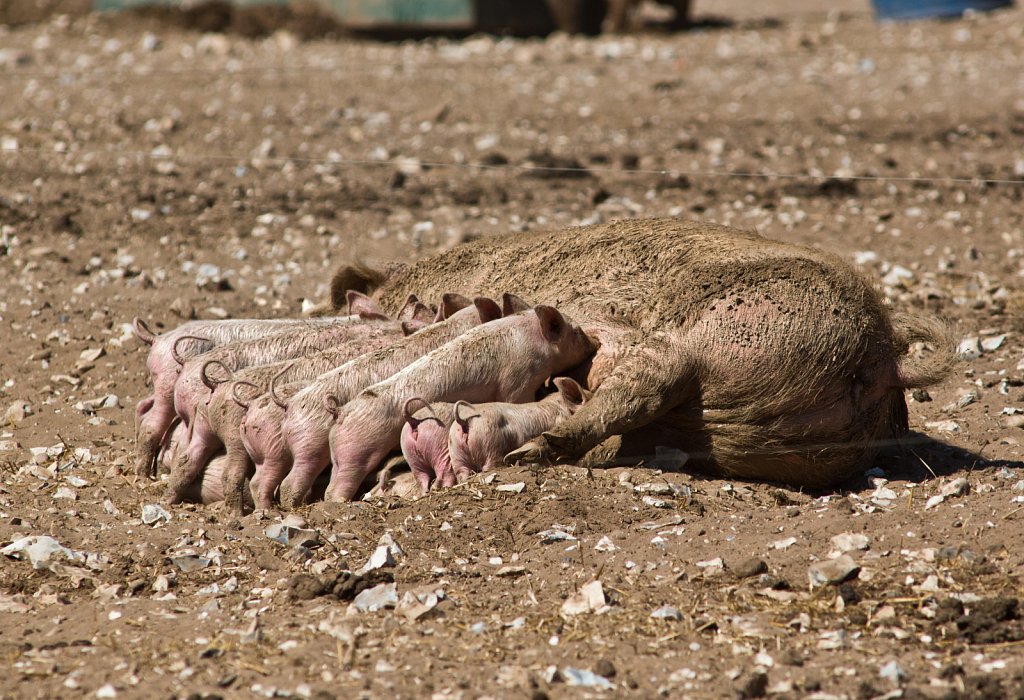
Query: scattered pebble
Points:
[589, 598]
[833, 571]
[377, 598]
[667, 612]
[153, 514]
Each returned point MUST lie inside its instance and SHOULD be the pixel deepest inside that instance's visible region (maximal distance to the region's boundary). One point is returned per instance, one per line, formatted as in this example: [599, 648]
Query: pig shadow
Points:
[915, 457]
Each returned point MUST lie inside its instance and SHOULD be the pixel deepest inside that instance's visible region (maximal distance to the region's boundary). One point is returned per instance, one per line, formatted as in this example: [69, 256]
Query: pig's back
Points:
[647, 273]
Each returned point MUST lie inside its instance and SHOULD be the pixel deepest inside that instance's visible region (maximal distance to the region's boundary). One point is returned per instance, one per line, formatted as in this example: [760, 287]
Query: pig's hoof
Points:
[534, 452]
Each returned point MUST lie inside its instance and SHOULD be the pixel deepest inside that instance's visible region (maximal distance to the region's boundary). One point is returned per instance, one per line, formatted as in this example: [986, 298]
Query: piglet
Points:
[481, 435]
[155, 413]
[506, 360]
[424, 441]
[298, 438]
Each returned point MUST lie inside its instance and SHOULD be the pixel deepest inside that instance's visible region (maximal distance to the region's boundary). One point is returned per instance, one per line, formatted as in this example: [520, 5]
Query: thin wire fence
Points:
[520, 169]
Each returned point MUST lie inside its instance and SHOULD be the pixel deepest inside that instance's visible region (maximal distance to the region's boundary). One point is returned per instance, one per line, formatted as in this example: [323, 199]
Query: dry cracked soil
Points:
[150, 169]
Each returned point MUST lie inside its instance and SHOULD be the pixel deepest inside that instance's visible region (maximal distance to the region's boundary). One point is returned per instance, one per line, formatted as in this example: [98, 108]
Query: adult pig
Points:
[480, 436]
[759, 359]
[507, 360]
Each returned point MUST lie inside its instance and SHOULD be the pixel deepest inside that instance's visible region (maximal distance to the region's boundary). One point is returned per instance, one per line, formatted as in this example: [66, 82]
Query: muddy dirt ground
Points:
[150, 170]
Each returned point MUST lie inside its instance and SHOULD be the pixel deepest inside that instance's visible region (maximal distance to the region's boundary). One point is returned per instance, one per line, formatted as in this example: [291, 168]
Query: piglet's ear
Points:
[552, 323]
[423, 314]
[364, 307]
[570, 390]
[488, 309]
[408, 310]
[450, 303]
[512, 304]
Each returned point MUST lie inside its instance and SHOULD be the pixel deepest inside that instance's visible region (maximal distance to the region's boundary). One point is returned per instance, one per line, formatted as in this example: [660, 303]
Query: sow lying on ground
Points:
[759, 359]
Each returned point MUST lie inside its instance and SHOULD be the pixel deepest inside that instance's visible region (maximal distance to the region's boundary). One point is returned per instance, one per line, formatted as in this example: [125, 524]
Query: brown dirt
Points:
[140, 158]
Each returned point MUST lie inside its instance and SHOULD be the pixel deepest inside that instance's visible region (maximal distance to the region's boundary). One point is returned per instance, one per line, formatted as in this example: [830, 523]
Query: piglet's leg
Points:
[237, 468]
[648, 380]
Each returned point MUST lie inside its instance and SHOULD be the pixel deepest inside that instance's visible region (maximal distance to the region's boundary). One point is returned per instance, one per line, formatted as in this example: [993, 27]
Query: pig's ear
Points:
[364, 307]
[356, 276]
[423, 314]
[450, 303]
[142, 331]
[488, 308]
[408, 311]
[512, 304]
[570, 390]
[552, 323]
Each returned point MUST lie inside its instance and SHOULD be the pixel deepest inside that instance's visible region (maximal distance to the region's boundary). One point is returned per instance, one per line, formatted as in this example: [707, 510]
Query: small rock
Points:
[667, 612]
[992, 344]
[190, 562]
[587, 599]
[41, 550]
[17, 412]
[387, 553]
[510, 571]
[750, 567]
[711, 567]
[555, 535]
[106, 691]
[585, 679]
[153, 514]
[969, 348]
[943, 426]
[605, 544]
[850, 542]
[293, 536]
[656, 502]
[892, 671]
[956, 487]
[93, 405]
[511, 488]
[377, 598]
[833, 571]
[784, 544]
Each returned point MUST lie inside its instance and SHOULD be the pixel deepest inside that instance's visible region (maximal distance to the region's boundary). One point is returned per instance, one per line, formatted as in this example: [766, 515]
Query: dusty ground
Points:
[134, 155]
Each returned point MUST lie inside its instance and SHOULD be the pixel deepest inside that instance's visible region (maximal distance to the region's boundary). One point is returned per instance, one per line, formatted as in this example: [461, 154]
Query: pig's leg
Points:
[309, 445]
[237, 468]
[153, 418]
[648, 380]
[203, 444]
[359, 442]
[264, 442]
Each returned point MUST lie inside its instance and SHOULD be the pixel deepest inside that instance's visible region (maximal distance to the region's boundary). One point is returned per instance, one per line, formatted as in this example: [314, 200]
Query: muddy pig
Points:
[424, 441]
[759, 359]
[278, 440]
[154, 414]
[506, 360]
[482, 435]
